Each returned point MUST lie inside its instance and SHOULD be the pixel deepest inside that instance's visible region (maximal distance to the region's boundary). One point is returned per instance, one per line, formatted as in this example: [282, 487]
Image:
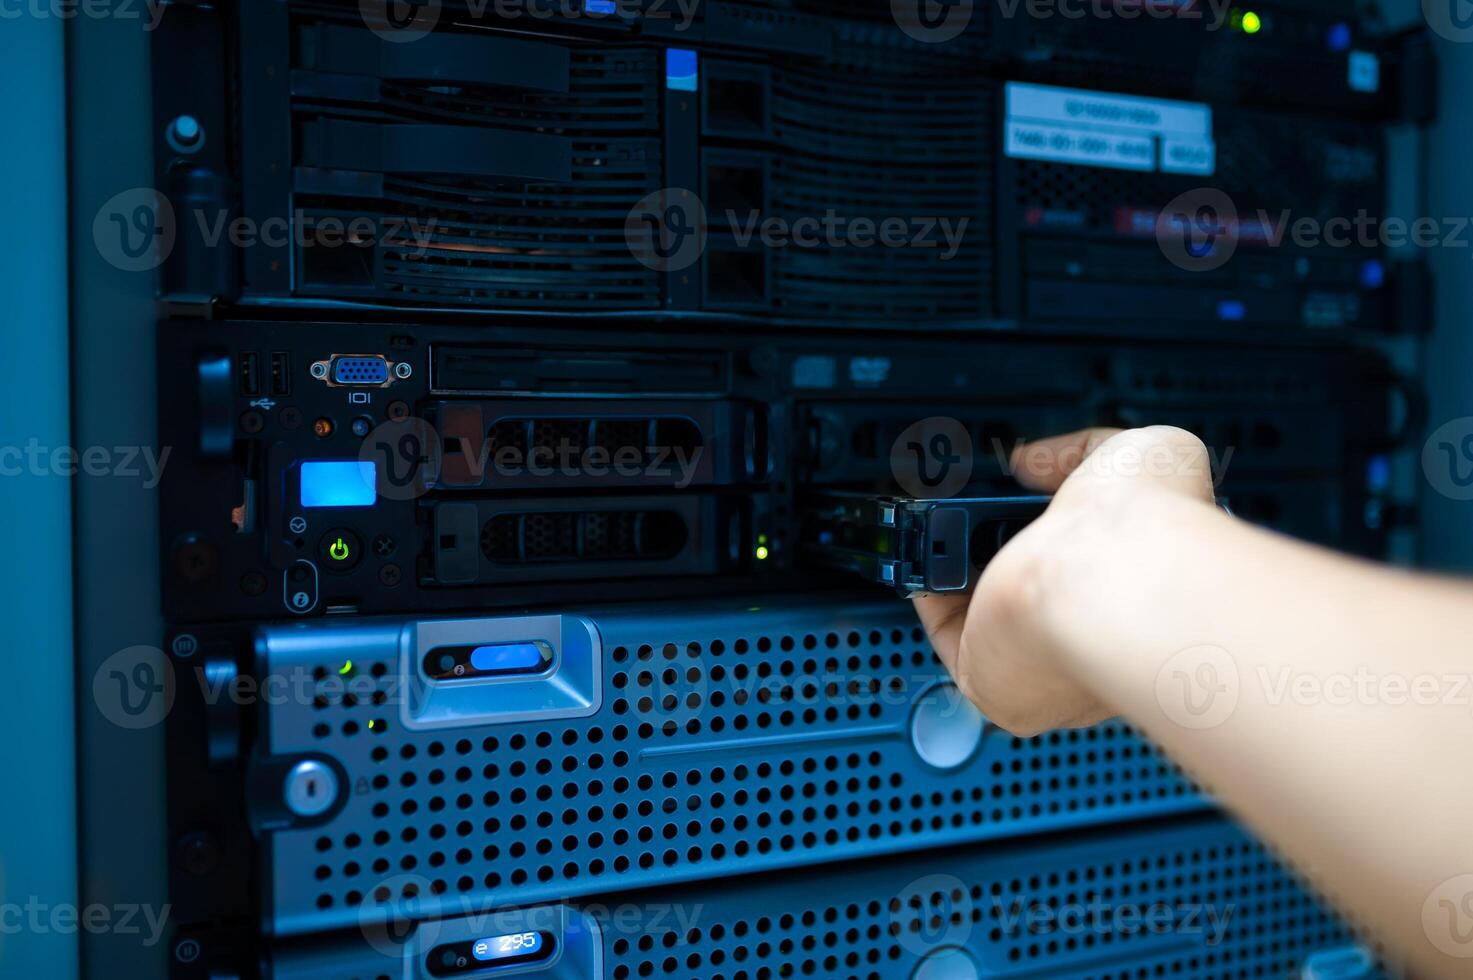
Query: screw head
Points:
[252, 422]
[403, 370]
[390, 575]
[319, 369]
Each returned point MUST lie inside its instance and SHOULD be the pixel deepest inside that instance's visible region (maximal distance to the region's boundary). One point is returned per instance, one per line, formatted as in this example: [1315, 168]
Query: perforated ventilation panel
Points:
[863, 145]
[726, 740]
[1196, 902]
[532, 244]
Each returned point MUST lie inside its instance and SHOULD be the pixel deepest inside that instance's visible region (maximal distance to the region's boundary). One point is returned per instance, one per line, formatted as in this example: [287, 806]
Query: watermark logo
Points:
[403, 456]
[1198, 231]
[932, 458]
[1198, 688]
[1447, 917]
[932, 21]
[135, 230]
[930, 912]
[401, 909]
[41, 918]
[150, 12]
[1447, 459]
[400, 21]
[1450, 19]
[666, 231]
[134, 688]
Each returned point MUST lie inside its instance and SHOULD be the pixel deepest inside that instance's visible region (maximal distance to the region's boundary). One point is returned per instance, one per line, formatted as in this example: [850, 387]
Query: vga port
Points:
[360, 370]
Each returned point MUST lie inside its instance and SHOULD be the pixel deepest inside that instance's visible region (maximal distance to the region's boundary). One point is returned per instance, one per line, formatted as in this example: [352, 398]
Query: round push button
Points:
[340, 549]
[947, 964]
[946, 728]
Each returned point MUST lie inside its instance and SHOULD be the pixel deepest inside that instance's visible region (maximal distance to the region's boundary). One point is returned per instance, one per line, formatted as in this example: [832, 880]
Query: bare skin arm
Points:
[1325, 701]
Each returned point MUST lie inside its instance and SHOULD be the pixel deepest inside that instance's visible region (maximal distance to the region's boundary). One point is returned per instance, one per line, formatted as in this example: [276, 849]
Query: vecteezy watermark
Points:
[406, 906]
[932, 21]
[932, 458]
[938, 21]
[669, 231]
[39, 918]
[1363, 687]
[930, 912]
[1198, 230]
[1447, 917]
[402, 21]
[1022, 916]
[1198, 688]
[404, 458]
[126, 462]
[1117, 459]
[935, 458]
[150, 12]
[138, 229]
[1201, 230]
[134, 688]
[1450, 19]
[666, 230]
[1447, 459]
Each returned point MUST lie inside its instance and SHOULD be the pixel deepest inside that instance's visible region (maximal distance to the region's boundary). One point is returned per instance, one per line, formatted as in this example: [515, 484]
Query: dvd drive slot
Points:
[489, 371]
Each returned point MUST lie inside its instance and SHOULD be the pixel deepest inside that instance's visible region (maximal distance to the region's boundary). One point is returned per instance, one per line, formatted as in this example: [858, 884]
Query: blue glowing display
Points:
[339, 483]
[600, 6]
[516, 944]
[681, 70]
[1231, 310]
[507, 658]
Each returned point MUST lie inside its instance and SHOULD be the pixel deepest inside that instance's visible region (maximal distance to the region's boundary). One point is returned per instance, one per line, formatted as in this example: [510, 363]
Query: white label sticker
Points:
[1097, 129]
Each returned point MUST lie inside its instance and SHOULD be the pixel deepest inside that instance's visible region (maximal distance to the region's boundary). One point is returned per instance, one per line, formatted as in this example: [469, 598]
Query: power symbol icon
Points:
[340, 549]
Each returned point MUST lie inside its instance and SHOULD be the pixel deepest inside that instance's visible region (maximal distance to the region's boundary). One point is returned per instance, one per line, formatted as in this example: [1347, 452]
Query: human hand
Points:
[1014, 645]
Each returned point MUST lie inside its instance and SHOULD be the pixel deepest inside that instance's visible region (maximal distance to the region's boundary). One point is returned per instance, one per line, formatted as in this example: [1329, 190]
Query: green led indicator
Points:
[338, 550]
[346, 668]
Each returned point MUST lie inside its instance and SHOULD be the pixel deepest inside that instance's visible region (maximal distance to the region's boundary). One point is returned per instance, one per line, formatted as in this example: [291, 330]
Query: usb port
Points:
[250, 373]
[281, 373]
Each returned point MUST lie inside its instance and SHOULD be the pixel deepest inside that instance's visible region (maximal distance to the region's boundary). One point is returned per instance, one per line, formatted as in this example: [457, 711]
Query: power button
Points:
[340, 549]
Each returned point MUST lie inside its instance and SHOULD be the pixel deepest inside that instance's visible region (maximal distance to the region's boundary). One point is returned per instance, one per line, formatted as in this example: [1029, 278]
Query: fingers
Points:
[943, 617]
[1161, 457]
[1045, 464]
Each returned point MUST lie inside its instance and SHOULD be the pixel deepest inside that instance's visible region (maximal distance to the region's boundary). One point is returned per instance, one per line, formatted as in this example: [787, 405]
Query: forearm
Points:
[1323, 701]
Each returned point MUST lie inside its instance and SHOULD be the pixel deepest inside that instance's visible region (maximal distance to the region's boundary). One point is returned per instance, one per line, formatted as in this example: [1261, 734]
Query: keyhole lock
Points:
[311, 788]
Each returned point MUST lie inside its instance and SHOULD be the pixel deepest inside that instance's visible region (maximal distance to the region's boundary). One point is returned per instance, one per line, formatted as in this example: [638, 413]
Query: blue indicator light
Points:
[506, 658]
[339, 483]
[1373, 274]
[1378, 474]
[681, 70]
[1340, 38]
[1232, 310]
[600, 6]
[515, 945]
